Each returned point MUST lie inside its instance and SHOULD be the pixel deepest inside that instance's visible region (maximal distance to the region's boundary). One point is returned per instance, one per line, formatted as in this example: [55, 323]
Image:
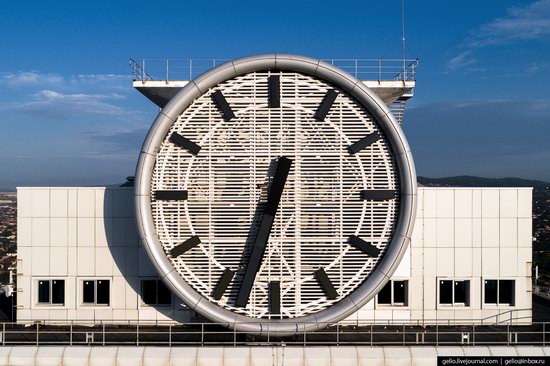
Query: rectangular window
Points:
[51, 292]
[155, 292]
[454, 292]
[506, 292]
[58, 292]
[500, 292]
[44, 292]
[96, 292]
[491, 291]
[394, 293]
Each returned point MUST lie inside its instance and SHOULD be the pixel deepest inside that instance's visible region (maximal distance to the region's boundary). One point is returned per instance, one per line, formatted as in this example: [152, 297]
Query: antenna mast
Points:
[403, 39]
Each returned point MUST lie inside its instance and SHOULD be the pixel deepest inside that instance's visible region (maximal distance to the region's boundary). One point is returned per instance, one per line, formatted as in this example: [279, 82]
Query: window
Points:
[96, 292]
[454, 292]
[51, 292]
[394, 293]
[500, 292]
[155, 292]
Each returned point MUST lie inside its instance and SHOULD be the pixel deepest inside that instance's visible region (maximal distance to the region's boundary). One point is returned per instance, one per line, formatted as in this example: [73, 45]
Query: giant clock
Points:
[275, 192]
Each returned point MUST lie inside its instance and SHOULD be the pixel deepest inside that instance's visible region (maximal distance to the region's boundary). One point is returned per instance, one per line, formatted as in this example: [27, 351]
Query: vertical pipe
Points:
[143, 70]
[167, 71]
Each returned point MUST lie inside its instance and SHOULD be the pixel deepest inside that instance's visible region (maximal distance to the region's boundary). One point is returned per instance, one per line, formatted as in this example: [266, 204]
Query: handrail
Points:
[144, 70]
[137, 333]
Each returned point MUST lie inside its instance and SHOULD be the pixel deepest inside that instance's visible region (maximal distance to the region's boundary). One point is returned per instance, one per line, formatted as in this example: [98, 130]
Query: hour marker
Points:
[363, 143]
[274, 88]
[275, 297]
[171, 195]
[326, 104]
[223, 106]
[326, 284]
[378, 194]
[222, 284]
[185, 143]
[185, 246]
[363, 246]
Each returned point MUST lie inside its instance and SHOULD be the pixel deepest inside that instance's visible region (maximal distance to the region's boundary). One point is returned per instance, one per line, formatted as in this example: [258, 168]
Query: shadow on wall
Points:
[132, 262]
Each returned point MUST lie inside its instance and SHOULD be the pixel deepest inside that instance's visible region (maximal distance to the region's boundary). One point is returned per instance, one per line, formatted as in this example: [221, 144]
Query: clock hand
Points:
[262, 236]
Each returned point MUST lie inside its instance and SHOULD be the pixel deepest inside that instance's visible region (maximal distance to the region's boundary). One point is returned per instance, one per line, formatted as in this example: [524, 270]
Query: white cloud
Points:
[27, 78]
[530, 22]
[461, 60]
[521, 23]
[53, 104]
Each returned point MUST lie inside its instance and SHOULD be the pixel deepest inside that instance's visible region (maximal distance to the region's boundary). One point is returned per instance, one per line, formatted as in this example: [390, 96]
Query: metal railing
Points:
[187, 69]
[199, 334]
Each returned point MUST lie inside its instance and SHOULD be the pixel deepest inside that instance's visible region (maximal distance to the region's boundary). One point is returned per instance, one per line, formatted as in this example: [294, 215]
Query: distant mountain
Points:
[470, 181]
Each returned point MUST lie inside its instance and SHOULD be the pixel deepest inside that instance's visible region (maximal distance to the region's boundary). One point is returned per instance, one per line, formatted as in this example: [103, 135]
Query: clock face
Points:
[272, 195]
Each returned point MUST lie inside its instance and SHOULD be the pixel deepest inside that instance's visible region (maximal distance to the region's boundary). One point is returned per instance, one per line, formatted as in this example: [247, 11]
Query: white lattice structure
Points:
[319, 211]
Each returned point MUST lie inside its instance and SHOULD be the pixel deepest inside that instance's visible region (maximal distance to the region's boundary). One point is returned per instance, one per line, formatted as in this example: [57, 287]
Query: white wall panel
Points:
[85, 231]
[100, 197]
[103, 229]
[525, 232]
[403, 270]
[72, 203]
[430, 232]
[445, 203]
[476, 203]
[445, 262]
[40, 232]
[103, 261]
[463, 203]
[430, 203]
[445, 232]
[430, 262]
[489, 262]
[40, 203]
[463, 262]
[463, 232]
[490, 232]
[508, 232]
[58, 203]
[24, 231]
[508, 203]
[40, 261]
[58, 261]
[86, 203]
[86, 261]
[59, 231]
[525, 203]
[508, 262]
[24, 203]
[490, 203]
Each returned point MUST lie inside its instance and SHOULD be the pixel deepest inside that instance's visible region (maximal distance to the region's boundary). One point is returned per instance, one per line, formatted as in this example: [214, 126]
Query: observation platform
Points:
[393, 80]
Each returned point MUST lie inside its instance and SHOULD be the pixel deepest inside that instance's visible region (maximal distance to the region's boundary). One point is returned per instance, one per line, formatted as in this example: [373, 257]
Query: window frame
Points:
[455, 304]
[156, 304]
[498, 303]
[94, 304]
[393, 303]
[50, 292]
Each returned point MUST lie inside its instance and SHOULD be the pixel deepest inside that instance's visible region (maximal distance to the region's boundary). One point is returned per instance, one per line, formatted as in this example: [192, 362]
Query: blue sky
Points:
[68, 113]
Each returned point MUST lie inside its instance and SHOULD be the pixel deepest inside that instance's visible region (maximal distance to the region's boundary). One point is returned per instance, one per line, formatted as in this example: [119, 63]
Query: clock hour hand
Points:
[262, 236]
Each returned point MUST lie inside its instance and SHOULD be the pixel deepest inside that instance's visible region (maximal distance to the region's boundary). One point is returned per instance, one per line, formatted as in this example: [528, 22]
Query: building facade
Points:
[80, 259]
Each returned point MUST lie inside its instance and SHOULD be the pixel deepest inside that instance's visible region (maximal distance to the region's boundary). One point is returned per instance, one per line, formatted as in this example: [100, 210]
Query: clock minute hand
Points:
[262, 236]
